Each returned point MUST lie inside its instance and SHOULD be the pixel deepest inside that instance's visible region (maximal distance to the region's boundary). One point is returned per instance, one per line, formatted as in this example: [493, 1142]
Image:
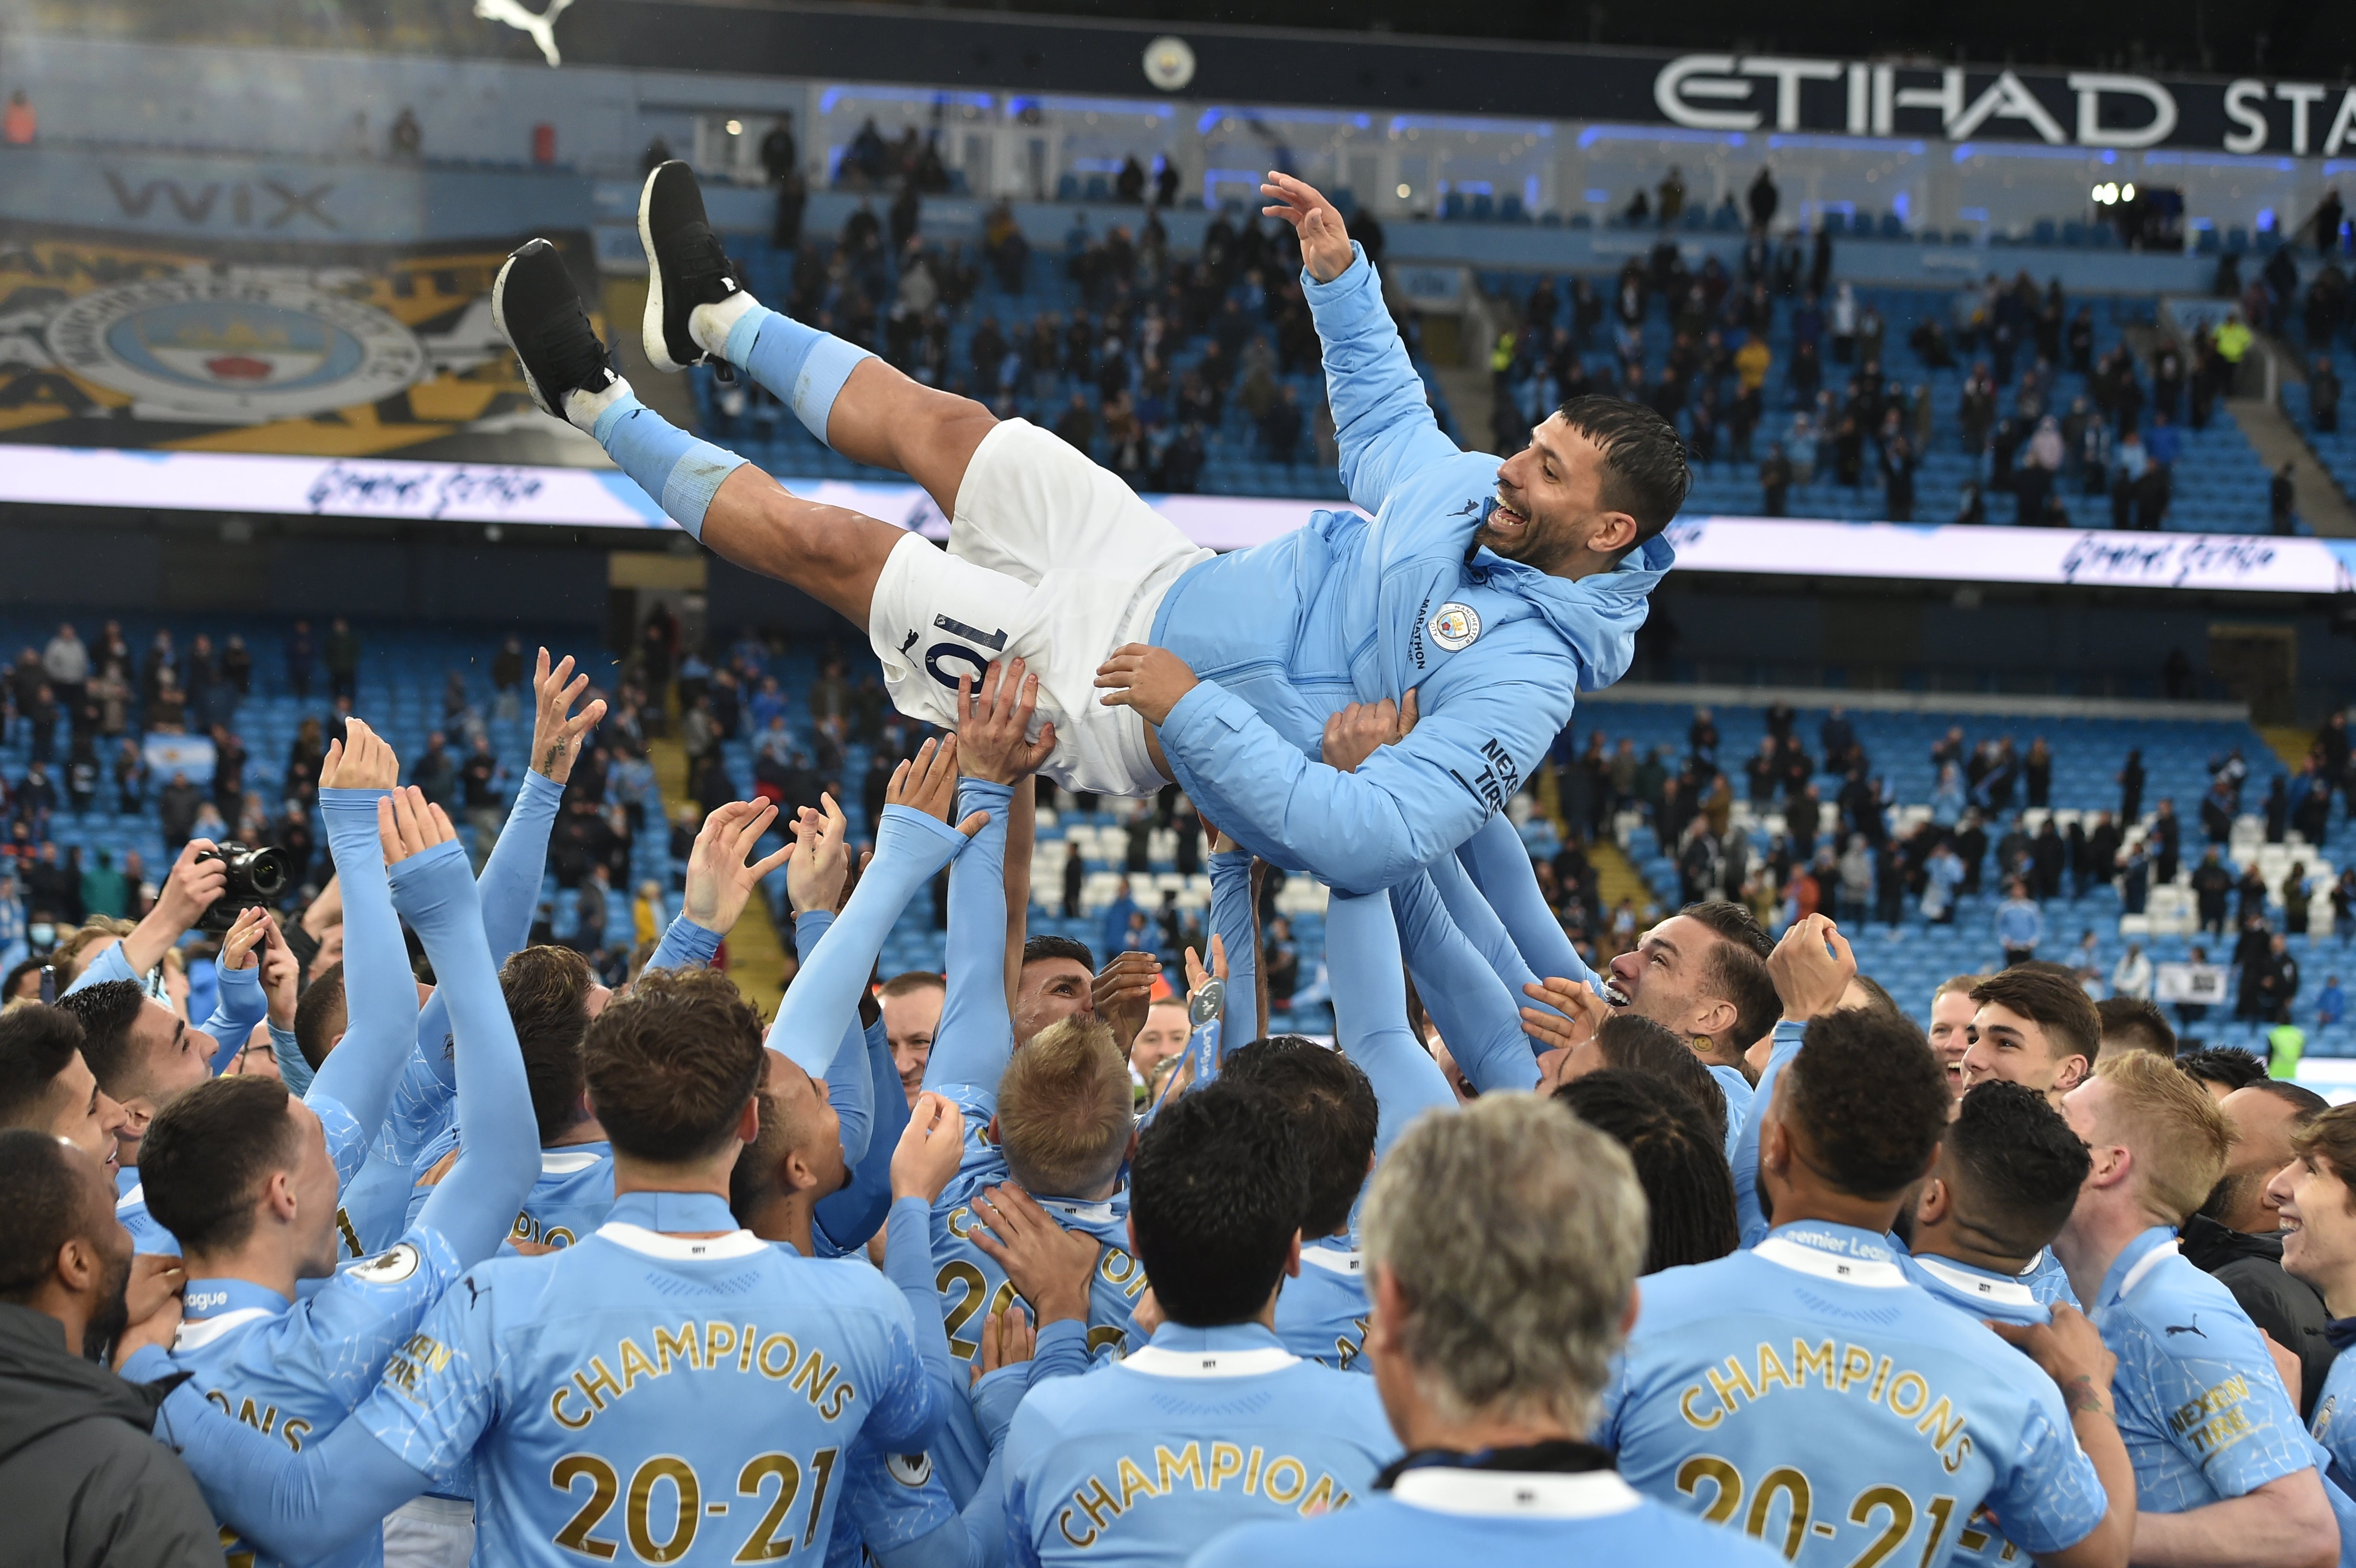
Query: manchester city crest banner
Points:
[157, 342]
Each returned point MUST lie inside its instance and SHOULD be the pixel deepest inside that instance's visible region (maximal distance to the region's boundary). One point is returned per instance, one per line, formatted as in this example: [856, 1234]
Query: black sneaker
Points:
[538, 311]
[685, 265]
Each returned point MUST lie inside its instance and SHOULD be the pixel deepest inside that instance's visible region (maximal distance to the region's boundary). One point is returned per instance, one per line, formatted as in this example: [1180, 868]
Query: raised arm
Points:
[510, 887]
[997, 758]
[381, 993]
[1500, 867]
[475, 1205]
[242, 1003]
[1476, 1015]
[849, 1083]
[845, 1220]
[1357, 832]
[1235, 920]
[1362, 960]
[193, 887]
[1382, 415]
[1811, 968]
[923, 1161]
[912, 841]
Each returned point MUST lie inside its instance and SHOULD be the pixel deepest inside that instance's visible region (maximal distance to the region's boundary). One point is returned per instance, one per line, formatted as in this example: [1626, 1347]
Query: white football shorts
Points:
[1053, 560]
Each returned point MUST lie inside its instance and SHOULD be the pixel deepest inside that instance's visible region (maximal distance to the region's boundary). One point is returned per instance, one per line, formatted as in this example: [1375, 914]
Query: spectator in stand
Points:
[19, 124]
[343, 659]
[1775, 482]
[2019, 924]
[1762, 198]
[2323, 397]
[2282, 498]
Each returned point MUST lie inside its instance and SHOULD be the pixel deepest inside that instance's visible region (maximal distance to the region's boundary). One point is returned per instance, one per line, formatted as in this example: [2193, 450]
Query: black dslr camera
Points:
[256, 877]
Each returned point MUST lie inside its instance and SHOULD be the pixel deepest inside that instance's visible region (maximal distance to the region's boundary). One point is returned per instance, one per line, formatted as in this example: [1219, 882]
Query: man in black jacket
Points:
[83, 1481]
[2234, 1235]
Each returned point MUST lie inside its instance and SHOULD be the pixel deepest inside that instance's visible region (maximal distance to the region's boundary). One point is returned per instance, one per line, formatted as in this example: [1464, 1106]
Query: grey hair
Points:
[1514, 1231]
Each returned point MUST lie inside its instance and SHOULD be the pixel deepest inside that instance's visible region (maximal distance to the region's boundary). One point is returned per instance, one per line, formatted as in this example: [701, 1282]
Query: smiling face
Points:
[2016, 1049]
[1951, 1034]
[174, 1058]
[1163, 1037]
[2319, 1228]
[1551, 512]
[1052, 990]
[1664, 979]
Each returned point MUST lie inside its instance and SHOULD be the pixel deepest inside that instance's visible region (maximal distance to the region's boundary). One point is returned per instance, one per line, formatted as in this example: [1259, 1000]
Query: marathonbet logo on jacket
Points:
[1454, 627]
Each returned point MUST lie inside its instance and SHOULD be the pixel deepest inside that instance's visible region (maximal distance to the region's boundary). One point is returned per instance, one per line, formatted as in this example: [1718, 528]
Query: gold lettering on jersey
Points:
[419, 1357]
[2215, 1420]
[264, 1419]
[1735, 1382]
[1282, 1479]
[1117, 1268]
[687, 1346]
[527, 1229]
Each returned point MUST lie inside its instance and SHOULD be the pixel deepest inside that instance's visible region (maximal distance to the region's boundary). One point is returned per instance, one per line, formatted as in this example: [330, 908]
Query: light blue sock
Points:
[804, 366]
[679, 471]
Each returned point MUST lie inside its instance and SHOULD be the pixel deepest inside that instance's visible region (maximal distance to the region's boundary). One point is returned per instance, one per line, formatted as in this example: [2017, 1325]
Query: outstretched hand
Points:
[718, 880]
[1145, 677]
[927, 783]
[361, 759]
[818, 862]
[556, 731]
[995, 725]
[407, 825]
[1359, 729]
[1325, 242]
[1811, 968]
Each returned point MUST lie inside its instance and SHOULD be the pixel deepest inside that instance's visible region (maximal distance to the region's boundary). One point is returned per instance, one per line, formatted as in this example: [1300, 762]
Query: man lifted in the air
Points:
[1489, 593]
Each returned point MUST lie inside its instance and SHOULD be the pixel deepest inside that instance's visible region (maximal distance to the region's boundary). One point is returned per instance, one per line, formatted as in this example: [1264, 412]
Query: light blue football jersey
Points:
[1739, 1096]
[2048, 1280]
[888, 1500]
[1806, 1394]
[2334, 1421]
[687, 1399]
[1322, 1314]
[1997, 1297]
[972, 1286]
[1205, 1429]
[2202, 1411]
[1445, 1515]
[296, 1370]
[570, 1199]
[131, 1208]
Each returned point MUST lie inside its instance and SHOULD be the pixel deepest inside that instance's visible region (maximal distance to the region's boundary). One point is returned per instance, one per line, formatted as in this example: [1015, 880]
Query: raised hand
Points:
[928, 784]
[1811, 968]
[718, 880]
[1353, 734]
[994, 722]
[818, 863]
[929, 1149]
[1578, 1012]
[1325, 242]
[239, 943]
[407, 825]
[193, 887]
[280, 976]
[556, 729]
[1123, 994]
[1147, 678]
[361, 759]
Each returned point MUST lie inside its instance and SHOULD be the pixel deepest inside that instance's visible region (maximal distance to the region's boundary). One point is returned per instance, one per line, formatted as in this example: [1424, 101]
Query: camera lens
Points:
[266, 870]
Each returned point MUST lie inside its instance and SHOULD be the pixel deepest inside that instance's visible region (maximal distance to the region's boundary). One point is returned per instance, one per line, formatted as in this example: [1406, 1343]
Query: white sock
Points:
[583, 407]
[708, 325]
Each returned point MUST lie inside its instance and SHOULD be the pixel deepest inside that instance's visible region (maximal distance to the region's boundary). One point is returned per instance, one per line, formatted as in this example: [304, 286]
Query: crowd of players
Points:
[1710, 1257]
[537, 1272]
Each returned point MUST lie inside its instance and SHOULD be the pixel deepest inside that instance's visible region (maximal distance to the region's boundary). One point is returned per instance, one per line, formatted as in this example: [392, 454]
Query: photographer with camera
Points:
[209, 889]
